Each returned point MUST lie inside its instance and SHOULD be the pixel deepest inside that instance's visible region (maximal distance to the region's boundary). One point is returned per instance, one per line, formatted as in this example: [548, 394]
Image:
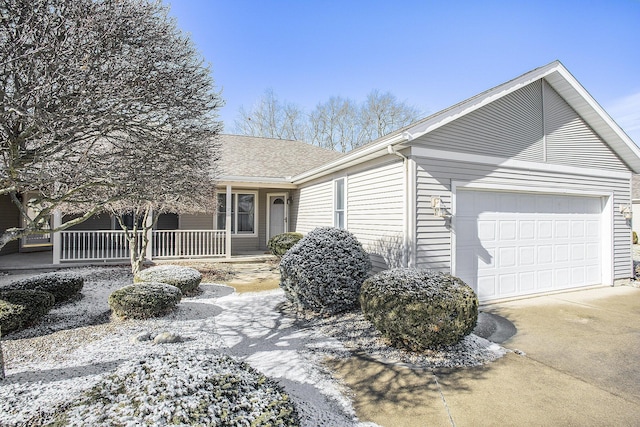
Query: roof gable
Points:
[554, 74]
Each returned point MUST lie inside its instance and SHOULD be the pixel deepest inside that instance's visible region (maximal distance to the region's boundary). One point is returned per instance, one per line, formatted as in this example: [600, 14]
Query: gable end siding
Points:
[513, 127]
[570, 141]
[509, 127]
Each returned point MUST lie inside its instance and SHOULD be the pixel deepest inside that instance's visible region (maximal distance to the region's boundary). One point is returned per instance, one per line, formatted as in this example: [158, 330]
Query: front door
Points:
[277, 215]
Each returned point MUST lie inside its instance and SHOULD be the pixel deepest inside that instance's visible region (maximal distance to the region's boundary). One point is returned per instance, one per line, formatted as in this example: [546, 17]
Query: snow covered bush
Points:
[281, 243]
[144, 300]
[323, 272]
[21, 308]
[63, 285]
[186, 279]
[419, 309]
[193, 389]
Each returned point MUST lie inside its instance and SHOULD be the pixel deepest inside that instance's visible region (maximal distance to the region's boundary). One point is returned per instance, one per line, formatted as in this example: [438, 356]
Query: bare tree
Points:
[271, 118]
[178, 177]
[102, 103]
[338, 124]
[335, 124]
[382, 114]
[77, 73]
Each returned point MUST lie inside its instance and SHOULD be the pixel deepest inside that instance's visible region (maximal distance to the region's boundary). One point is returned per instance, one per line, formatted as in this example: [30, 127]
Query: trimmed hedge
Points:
[281, 243]
[21, 308]
[186, 279]
[419, 309]
[144, 300]
[63, 285]
[324, 271]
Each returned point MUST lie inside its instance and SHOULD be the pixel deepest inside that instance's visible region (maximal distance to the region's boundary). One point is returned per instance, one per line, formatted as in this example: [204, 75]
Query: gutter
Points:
[354, 157]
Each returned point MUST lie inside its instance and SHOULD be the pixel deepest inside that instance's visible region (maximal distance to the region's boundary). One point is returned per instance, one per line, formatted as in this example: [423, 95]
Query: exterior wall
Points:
[95, 223]
[9, 217]
[375, 197]
[196, 222]
[315, 205]
[531, 124]
[434, 178]
[570, 141]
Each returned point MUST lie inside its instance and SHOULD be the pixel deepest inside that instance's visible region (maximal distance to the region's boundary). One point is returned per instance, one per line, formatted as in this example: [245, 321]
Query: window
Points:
[339, 203]
[243, 217]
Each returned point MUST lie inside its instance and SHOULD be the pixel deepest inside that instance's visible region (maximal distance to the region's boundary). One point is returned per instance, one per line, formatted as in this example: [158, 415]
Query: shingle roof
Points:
[250, 156]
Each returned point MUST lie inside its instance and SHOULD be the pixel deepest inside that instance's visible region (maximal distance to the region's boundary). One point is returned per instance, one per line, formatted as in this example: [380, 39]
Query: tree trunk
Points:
[1, 359]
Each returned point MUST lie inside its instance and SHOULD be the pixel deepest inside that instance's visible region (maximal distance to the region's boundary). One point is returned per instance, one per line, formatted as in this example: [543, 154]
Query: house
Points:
[522, 189]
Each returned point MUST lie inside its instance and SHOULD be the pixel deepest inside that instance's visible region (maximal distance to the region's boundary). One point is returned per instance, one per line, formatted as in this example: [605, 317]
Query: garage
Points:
[510, 244]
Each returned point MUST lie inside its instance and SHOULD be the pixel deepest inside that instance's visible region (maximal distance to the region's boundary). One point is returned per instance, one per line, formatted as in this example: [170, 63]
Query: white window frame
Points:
[235, 213]
[344, 202]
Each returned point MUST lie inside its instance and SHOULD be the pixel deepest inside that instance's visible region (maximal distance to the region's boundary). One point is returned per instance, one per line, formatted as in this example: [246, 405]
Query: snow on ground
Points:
[51, 364]
[56, 360]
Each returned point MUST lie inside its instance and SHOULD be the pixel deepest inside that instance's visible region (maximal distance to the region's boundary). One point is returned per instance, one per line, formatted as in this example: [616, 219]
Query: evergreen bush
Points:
[21, 308]
[419, 309]
[63, 285]
[324, 271]
[186, 279]
[144, 300]
[281, 243]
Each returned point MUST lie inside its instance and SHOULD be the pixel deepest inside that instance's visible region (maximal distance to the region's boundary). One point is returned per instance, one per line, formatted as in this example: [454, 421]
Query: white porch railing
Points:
[188, 243]
[112, 244]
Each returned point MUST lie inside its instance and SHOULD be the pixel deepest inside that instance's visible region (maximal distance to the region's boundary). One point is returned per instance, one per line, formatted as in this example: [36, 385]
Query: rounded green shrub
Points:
[324, 271]
[209, 389]
[63, 285]
[419, 309]
[281, 243]
[21, 308]
[144, 300]
[186, 279]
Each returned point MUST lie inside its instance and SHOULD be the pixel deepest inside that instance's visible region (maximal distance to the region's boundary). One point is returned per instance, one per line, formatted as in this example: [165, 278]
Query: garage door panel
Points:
[526, 243]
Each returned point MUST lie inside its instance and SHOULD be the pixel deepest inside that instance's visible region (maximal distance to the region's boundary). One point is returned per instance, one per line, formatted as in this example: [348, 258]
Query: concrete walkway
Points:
[576, 361]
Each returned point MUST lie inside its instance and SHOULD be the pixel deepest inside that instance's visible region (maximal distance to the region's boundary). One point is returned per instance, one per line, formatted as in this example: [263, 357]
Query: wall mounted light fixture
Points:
[626, 211]
[439, 209]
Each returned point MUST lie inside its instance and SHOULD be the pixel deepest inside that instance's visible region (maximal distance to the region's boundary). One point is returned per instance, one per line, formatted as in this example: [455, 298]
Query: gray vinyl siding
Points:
[315, 206]
[509, 127]
[570, 141]
[532, 123]
[9, 218]
[375, 213]
[196, 222]
[434, 177]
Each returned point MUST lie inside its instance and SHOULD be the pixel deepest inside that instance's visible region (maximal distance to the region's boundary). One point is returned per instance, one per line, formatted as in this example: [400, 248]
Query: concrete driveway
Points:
[576, 362]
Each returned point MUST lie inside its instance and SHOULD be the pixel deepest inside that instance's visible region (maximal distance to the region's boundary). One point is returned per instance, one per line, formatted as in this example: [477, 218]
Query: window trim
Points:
[234, 233]
[344, 202]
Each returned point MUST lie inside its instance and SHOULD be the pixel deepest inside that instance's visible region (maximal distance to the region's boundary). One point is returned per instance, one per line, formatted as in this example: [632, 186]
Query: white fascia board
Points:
[372, 151]
[431, 153]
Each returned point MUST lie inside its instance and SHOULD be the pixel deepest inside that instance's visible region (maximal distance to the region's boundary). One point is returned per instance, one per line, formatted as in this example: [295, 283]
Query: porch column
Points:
[227, 239]
[149, 231]
[56, 237]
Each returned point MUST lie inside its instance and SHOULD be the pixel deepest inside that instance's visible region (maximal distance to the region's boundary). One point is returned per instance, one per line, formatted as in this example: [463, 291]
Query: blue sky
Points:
[430, 54]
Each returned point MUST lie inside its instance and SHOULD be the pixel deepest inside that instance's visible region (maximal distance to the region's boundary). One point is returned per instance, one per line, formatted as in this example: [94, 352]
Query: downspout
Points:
[405, 207]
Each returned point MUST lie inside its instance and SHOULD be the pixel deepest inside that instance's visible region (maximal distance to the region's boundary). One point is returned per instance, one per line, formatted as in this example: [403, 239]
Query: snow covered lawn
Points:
[78, 344]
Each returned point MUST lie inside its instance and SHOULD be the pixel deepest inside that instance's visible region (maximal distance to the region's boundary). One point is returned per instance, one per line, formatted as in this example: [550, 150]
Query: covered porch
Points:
[16, 262]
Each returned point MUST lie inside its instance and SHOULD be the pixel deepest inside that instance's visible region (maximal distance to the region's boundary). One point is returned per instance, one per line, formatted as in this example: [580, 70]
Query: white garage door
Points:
[512, 244]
